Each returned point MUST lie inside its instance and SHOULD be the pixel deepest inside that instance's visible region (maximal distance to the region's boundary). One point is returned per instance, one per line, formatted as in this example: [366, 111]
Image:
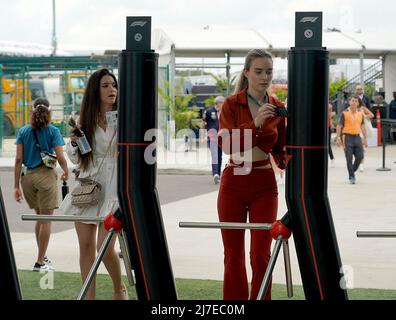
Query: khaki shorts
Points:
[40, 188]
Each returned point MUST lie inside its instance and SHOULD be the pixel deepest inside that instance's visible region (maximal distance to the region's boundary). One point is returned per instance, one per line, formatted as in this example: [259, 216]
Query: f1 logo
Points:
[138, 23]
[308, 19]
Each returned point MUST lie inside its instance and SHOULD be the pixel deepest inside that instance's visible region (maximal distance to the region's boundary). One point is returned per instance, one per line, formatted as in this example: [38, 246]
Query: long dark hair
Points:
[40, 118]
[251, 55]
[90, 108]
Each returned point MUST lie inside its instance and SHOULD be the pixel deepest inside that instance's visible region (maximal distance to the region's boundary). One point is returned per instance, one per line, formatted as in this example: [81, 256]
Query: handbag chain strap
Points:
[103, 159]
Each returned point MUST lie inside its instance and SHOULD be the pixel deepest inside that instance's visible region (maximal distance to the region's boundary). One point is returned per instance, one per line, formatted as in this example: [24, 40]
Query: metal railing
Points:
[111, 232]
[370, 75]
[280, 241]
[376, 234]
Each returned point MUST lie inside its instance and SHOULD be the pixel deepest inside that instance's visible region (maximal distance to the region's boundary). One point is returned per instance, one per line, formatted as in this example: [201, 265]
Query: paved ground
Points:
[368, 205]
[171, 188]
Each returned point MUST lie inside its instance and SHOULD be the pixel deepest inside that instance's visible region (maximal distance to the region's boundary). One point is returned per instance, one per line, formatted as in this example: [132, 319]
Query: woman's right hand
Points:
[265, 112]
[65, 176]
[17, 194]
[72, 134]
[339, 142]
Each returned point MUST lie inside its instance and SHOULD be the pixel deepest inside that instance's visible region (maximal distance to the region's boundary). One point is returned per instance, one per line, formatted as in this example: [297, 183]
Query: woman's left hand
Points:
[65, 176]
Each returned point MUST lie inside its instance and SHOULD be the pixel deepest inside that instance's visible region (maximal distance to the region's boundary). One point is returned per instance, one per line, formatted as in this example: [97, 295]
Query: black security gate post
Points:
[137, 192]
[306, 180]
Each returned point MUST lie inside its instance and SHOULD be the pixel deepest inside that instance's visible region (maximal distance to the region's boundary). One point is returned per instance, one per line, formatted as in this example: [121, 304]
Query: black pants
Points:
[216, 155]
[353, 147]
[330, 150]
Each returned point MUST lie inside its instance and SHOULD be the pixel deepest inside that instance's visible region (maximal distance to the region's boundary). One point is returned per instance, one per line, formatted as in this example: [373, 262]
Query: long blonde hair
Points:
[242, 82]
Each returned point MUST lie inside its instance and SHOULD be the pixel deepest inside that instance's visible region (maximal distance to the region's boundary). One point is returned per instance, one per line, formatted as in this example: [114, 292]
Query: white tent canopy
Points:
[216, 41]
[232, 42]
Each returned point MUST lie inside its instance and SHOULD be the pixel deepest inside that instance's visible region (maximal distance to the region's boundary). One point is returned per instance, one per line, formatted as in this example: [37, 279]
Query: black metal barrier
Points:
[9, 282]
[385, 136]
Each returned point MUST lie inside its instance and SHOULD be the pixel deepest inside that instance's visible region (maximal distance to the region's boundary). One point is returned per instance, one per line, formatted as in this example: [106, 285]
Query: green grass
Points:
[66, 286]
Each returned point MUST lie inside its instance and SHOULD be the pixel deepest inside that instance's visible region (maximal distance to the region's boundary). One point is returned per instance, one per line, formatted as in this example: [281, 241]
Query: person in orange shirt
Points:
[350, 124]
[251, 128]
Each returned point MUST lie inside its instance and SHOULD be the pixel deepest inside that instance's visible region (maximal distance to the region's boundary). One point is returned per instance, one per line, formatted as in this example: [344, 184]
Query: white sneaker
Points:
[47, 261]
[216, 179]
[42, 267]
[361, 168]
[332, 163]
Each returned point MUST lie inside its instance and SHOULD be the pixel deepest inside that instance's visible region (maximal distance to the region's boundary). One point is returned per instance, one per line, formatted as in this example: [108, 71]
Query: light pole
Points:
[361, 53]
[53, 40]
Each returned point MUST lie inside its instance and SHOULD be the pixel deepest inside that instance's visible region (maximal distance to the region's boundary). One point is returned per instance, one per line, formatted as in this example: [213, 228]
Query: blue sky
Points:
[102, 23]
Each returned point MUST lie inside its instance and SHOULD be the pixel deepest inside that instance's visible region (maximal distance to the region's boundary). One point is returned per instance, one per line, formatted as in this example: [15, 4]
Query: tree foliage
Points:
[336, 85]
[221, 83]
[281, 95]
[209, 102]
[178, 109]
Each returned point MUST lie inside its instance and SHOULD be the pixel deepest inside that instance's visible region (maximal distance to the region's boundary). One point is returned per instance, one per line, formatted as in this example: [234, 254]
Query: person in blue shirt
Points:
[39, 182]
[211, 123]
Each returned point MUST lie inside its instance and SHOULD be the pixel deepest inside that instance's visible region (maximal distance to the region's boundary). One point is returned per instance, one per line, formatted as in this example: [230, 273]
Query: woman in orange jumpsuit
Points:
[250, 129]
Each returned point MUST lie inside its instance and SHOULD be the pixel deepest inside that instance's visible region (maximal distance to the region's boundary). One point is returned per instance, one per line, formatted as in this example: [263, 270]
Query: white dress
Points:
[107, 176]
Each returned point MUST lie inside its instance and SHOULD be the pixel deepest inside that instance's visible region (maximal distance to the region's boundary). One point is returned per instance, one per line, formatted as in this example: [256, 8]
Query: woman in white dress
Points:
[100, 97]
[368, 115]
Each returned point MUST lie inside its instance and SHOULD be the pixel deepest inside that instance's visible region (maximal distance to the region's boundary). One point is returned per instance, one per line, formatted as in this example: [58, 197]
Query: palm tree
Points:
[178, 108]
[222, 84]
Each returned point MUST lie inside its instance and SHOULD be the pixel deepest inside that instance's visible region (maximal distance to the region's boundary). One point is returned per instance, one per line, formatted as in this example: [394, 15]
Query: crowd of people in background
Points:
[364, 129]
[210, 122]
